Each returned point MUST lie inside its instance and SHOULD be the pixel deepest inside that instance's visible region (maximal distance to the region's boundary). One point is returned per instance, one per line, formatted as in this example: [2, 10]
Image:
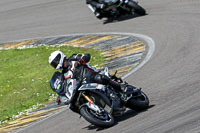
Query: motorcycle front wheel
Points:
[137, 8]
[138, 102]
[103, 119]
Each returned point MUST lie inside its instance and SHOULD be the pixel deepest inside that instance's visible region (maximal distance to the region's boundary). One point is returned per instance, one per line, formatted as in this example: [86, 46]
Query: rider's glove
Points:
[58, 100]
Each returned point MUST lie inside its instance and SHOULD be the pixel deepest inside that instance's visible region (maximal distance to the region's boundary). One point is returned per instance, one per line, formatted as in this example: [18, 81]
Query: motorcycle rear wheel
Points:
[139, 102]
[105, 120]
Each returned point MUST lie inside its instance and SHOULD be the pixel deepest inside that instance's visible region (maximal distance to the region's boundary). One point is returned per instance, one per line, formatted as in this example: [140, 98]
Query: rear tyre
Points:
[139, 102]
[101, 120]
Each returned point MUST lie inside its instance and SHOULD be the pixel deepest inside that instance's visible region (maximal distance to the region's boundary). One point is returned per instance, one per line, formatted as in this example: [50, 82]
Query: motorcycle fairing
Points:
[57, 83]
[70, 87]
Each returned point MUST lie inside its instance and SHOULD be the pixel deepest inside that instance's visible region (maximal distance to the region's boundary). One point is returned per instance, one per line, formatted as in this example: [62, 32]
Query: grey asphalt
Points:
[171, 78]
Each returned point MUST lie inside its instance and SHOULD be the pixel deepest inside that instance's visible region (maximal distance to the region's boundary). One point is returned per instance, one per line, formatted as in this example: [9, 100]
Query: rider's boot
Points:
[125, 93]
[129, 89]
[126, 88]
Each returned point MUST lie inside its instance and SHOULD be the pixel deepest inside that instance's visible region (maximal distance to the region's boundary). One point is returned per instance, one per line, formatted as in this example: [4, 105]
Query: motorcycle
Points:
[116, 8]
[95, 102]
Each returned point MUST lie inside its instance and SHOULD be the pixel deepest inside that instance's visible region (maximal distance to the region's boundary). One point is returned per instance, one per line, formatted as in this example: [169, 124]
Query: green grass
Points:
[25, 75]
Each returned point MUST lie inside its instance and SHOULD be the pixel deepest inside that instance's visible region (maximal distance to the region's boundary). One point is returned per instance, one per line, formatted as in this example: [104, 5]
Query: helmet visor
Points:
[56, 61]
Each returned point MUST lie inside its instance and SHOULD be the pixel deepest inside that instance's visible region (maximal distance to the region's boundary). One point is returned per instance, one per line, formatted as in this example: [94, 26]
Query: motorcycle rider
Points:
[77, 67]
[98, 5]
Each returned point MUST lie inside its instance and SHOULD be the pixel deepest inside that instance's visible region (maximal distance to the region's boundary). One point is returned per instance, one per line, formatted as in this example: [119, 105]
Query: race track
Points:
[171, 78]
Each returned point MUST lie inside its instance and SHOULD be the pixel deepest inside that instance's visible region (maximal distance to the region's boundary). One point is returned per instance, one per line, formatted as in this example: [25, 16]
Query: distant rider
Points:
[98, 6]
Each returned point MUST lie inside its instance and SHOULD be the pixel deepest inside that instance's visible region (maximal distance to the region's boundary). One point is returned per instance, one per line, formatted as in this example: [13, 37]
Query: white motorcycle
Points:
[95, 101]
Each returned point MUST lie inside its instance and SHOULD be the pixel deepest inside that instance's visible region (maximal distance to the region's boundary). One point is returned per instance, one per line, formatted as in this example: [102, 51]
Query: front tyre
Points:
[137, 8]
[138, 102]
[101, 120]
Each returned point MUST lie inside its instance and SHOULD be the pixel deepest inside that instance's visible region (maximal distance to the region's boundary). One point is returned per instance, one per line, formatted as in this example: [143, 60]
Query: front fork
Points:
[91, 104]
[88, 98]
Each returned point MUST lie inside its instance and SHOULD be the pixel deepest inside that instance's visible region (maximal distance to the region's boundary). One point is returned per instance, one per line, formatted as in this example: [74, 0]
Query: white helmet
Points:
[56, 59]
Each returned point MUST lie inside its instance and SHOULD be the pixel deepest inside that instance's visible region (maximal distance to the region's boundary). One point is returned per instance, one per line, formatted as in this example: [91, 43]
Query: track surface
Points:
[171, 78]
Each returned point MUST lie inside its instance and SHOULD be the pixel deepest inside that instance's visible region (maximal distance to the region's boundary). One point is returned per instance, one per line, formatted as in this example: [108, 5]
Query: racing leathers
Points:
[79, 69]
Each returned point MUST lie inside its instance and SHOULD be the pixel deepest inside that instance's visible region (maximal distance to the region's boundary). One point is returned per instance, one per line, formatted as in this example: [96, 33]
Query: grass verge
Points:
[25, 75]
